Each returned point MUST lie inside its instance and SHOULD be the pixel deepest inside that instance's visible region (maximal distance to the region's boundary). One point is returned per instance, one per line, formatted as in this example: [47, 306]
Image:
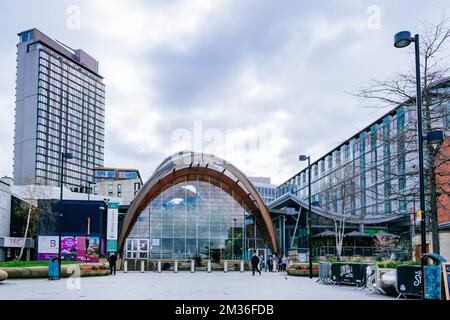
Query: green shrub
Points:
[24, 264]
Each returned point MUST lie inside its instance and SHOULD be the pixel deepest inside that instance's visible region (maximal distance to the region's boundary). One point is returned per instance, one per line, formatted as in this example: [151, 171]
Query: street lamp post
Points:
[304, 158]
[403, 39]
[64, 156]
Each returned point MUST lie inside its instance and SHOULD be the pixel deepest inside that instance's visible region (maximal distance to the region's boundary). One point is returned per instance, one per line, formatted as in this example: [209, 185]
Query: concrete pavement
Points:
[182, 286]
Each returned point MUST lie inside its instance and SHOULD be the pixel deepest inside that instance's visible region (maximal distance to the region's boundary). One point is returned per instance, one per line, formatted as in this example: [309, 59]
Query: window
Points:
[110, 189]
[137, 187]
[34, 47]
[24, 37]
[119, 190]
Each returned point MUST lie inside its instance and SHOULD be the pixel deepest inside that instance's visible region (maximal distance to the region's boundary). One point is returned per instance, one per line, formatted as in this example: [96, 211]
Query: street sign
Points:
[112, 223]
[11, 242]
[349, 273]
[419, 214]
[409, 280]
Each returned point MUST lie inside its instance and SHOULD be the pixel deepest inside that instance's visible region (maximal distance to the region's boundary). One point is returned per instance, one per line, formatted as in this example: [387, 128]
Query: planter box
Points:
[3, 275]
[293, 272]
[42, 272]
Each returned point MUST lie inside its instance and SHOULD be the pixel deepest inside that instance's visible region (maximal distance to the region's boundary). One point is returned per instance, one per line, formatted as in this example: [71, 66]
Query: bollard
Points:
[175, 268]
[242, 265]
[142, 266]
[192, 266]
[159, 266]
[125, 266]
[225, 266]
[275, 267]
[209, 266]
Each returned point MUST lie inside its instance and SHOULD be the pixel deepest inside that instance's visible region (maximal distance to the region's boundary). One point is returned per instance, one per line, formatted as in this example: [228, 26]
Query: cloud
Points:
[252, 73]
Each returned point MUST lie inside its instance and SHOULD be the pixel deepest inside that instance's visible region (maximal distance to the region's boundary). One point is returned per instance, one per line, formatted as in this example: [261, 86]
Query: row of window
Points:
[67, 83]
[371, 139]
[75, 70]
[96, 111]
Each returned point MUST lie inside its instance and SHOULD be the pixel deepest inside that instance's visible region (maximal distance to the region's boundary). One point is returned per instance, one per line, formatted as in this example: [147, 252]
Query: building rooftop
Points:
[77, 56]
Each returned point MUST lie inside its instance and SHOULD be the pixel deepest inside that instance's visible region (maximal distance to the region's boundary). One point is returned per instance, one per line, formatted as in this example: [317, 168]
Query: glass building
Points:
[375, 172]
[194, 218]
[204, 210]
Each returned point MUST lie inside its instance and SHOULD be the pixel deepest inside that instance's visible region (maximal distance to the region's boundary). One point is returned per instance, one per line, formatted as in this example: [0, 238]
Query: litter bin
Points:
[53, 269]
[433, 276]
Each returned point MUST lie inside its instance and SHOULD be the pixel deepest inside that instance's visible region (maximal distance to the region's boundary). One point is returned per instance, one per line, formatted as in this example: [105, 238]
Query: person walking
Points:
[270, 263]
[284, 262]
[280, 266]
[255, 262]
[112, 259]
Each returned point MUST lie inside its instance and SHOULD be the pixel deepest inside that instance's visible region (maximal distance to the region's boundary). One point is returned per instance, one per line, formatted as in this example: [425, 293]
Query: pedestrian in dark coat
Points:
[270, 263]
[255, 262]
[112, 259]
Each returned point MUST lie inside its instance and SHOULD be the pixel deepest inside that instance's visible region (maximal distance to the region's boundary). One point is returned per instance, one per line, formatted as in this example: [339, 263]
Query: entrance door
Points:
[262, 254]
[137, 249]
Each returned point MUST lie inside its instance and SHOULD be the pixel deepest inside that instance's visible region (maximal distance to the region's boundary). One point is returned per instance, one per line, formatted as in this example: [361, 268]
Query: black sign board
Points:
[446, 279]
[349, 273]
[409, 280]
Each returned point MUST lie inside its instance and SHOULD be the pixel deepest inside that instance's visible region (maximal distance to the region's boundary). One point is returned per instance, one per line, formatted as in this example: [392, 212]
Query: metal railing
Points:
[347, 251]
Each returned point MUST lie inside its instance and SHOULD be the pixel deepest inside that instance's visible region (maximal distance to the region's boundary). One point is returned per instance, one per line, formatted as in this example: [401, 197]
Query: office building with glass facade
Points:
[60, 107]
[371, 179]
[265, 188]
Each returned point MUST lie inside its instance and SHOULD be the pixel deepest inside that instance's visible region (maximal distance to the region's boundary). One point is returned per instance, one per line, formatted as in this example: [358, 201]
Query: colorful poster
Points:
[102, 246]
[69, 248]
[432, 282]
[93, 249]
[47, 247]
[81, 249]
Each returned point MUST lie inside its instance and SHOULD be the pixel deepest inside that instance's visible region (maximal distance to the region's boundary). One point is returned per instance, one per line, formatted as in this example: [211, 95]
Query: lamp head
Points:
[68, 155]
[303, 157]
[402, 39]
[435, 137]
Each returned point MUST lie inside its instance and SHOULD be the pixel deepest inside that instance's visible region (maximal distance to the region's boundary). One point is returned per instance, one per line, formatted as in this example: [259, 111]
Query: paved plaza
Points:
[182, 286]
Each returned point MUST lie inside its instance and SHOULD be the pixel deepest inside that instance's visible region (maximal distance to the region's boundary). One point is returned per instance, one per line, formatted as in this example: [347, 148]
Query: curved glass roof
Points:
[185, 159]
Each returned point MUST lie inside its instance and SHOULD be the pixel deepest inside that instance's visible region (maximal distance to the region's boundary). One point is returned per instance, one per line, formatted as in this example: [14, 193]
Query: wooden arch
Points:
[189, 166]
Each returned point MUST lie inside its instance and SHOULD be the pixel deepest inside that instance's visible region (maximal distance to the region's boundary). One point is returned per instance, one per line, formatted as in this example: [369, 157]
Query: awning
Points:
[325, 234]
[386, 235]
[357, 234]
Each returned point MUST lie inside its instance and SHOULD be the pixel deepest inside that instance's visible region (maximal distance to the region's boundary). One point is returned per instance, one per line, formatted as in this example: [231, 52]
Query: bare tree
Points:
[344, 179]
[30, 205]
[30, 194]
[400, 90]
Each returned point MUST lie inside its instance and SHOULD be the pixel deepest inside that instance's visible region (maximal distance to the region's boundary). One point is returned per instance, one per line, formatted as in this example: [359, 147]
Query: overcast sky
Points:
[256, 82]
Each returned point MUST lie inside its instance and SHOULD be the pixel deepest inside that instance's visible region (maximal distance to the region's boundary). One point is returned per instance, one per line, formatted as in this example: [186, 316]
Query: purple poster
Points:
[102, 247]
[69, 248]
[81, 249]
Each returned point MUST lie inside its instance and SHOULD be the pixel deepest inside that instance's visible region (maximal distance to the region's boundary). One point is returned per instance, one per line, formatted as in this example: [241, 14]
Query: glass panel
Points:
[196, 218]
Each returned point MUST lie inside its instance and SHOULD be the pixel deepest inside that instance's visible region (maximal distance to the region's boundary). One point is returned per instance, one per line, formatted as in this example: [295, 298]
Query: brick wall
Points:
[443, 182]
